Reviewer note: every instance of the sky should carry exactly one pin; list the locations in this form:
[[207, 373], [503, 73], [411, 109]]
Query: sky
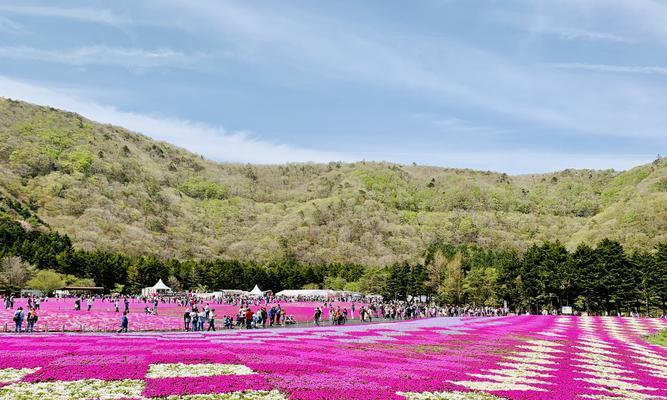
[[505, 85]]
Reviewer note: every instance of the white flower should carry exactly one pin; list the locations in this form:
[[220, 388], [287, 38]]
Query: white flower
[[495, 386], [525, 366], [519, 373], [245, 395], [448, 396], [509, 379], [548, 333], [596, 350], [547, 343], [540, 349], [9, 375], [614, 383], [532, 358], [180, 370], [83, 389]]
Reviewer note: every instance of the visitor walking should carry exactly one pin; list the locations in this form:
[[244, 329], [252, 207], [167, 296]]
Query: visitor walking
[[211, 320], [123, 323]]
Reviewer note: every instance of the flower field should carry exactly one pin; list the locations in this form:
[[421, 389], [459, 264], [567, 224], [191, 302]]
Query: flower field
[[59, 315], [524, 357]]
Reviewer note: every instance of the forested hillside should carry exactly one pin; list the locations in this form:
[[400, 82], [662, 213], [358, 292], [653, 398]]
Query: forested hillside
[[115, 190]]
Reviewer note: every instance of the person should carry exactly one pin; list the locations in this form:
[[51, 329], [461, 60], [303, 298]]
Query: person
[[202, 320], [123, 323], [77, 304], [279, 313], [18, 319], [32, 319], [263, 317], [127, 305], [90, 303], [318, 315], [194, 316], [248, 318], [186, 320], [211, 320], [272, 316]]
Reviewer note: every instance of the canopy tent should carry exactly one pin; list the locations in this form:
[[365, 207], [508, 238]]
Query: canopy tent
[[159, 287], [256, 292]]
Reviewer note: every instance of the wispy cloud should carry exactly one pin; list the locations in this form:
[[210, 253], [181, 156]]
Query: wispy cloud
[[214, 142], [12, 27], [575, 34], [438, 69], [455, 125], [104, 55], [91, 15], [623, 69], [551, 24]]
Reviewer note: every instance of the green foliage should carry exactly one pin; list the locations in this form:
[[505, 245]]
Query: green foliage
[[47, 280], [110, 189], [199, 188]]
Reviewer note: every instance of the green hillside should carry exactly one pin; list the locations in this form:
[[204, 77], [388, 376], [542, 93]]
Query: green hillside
[[112, 189]]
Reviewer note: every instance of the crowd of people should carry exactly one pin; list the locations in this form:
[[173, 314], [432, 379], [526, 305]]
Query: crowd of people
[[200, 315]]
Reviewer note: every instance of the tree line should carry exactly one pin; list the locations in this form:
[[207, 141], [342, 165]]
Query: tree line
[[603, 278]]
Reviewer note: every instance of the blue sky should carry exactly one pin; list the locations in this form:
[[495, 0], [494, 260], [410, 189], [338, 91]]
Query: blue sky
[[512, 86]]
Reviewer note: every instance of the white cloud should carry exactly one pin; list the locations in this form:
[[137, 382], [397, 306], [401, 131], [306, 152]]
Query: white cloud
[[211, 141], [98, 16], [625, 69], [104, 55]]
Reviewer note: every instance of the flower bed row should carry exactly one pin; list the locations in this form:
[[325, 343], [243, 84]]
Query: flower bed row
[[526, 357]]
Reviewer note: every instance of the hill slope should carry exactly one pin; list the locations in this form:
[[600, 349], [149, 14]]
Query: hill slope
[[113, 189]]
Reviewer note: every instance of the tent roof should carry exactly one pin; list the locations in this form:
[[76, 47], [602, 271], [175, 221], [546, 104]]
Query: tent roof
[[161, 286], [256, 291]]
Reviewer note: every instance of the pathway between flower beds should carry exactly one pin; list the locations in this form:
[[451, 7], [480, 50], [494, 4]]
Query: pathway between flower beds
[[525, 357]]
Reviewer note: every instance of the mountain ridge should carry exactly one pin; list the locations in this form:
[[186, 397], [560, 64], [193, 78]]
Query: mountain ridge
[[112, 189]]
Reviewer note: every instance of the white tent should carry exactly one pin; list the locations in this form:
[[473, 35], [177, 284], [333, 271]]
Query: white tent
[[256, 292], [159, 287]]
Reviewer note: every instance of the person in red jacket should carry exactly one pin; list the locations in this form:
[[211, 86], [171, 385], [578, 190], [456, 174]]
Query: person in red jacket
[[248, 318]]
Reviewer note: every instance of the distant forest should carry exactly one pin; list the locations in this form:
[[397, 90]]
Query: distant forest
[[599, 279]]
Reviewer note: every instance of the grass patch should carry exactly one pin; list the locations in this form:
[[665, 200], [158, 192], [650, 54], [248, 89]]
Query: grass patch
[[659, 338]]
